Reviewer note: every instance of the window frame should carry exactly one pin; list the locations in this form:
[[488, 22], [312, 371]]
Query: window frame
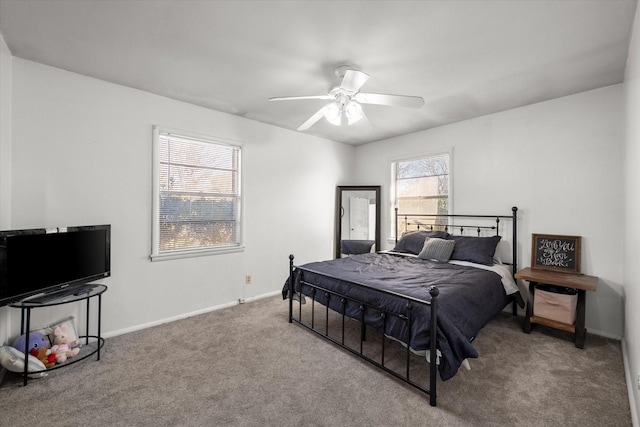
[[156, 254], [393, 190]]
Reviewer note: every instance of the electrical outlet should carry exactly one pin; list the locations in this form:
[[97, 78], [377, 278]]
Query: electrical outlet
[[247, 279]]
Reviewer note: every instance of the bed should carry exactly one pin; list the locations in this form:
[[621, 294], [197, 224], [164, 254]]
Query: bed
[[446, 278]]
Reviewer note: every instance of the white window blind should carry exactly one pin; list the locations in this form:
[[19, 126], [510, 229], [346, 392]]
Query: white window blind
[[197, 194]]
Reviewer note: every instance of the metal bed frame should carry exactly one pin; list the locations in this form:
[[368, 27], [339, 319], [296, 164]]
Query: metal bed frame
[[409, 304]]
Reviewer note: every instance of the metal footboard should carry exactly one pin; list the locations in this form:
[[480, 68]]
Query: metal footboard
[[313, 290]]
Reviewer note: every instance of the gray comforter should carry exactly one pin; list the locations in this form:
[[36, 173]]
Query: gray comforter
[[469, 298]]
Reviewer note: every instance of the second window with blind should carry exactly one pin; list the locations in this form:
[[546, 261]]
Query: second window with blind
[[421, 185], [197, 195]]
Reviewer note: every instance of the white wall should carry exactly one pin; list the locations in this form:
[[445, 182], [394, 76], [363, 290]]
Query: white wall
[[82, 155], [6, 61], [559, 162], [632, 216]]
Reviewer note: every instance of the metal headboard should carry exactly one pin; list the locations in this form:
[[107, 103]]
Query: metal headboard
[[443, 222]]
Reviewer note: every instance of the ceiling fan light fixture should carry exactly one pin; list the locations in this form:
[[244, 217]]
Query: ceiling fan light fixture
[[333, 113], [353, 111]]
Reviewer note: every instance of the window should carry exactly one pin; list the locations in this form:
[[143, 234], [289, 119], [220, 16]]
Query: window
[[196, 195], [421, 185]]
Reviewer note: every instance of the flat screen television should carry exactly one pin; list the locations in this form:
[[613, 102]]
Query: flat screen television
[[43, 260]]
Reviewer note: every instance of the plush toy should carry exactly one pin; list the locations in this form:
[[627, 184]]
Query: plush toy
[[44, 355], [35, 340], [62, 344]]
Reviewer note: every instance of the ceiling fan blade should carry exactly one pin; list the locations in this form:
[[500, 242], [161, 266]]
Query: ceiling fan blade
[[393, 100], [313, 119], [353, 80], [294, 98]]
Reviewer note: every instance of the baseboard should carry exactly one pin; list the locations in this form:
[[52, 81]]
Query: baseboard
[[187, 315], [630, 385], [263, 296], [604, 334]]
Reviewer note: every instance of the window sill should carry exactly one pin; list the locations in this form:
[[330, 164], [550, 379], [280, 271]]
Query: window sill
[[191, 253]]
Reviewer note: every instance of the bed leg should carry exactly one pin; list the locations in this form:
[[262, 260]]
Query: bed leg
[[363, 328], [433, 345], [514, 247], [291, 285]]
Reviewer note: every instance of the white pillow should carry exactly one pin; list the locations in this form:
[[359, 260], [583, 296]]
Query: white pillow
[[503, 253], [72, 332], [13, 360]]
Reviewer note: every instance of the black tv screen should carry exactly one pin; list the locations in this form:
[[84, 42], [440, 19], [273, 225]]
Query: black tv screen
[[41, 260]]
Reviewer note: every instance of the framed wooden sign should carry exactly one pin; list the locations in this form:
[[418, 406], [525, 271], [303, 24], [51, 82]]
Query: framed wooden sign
[[556, 253]]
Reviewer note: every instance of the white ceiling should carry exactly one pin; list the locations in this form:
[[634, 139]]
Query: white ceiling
[[465, 58]]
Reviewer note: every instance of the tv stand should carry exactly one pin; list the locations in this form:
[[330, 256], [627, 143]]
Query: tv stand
[[68, 295]]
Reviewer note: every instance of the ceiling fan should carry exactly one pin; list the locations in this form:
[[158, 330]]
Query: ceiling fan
[[346, 99]]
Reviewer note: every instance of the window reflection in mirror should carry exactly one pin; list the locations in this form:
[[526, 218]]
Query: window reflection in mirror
[[357, 220]]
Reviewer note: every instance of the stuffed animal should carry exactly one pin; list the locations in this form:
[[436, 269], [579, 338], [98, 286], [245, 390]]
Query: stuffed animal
[[62, 344], [35, 340], [44, 355]]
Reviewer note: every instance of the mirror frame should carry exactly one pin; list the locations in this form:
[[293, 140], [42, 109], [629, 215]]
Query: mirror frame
[[339, 212]]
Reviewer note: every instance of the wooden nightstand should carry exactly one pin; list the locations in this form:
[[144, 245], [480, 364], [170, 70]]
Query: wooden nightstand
[[580, 282]]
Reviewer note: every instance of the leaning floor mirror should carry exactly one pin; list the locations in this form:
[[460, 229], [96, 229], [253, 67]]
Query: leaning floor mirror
[[357, 220]]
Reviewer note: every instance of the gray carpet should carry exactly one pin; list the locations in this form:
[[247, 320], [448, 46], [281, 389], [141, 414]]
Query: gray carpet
[[247, 366]]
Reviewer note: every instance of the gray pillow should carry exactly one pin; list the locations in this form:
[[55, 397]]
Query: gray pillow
[[437, 249], [413, 241], [479, 250]]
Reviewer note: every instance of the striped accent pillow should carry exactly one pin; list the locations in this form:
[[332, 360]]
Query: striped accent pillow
[[437, 249]]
